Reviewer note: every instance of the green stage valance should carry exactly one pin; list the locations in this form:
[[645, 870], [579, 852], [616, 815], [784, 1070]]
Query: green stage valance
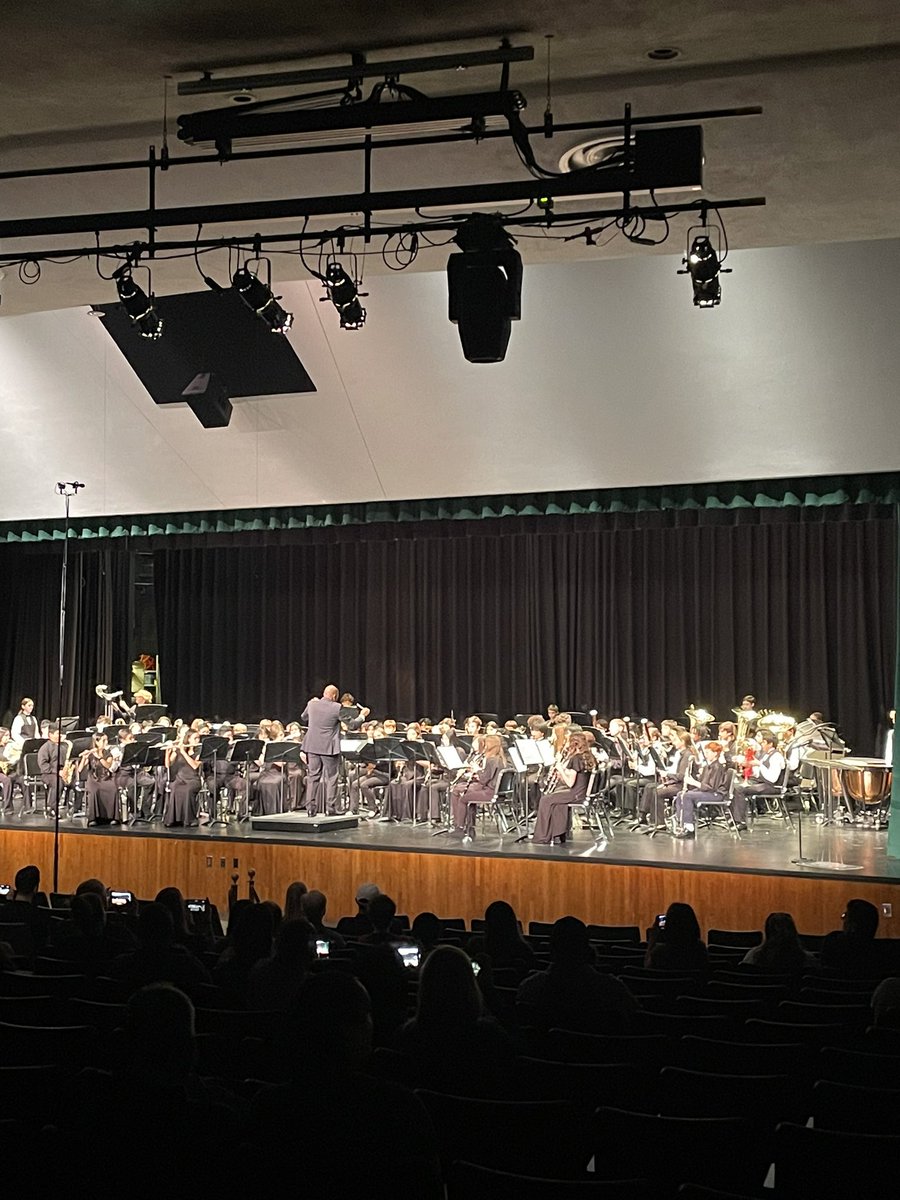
[[812, 491]]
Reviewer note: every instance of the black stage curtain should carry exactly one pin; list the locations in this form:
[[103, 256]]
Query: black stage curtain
[[96, 628], [637, 614]]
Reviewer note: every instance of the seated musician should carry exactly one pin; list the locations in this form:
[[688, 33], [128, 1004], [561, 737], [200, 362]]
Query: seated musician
[[9, 756], [408, 791], [655, 795], [711, 785], [554, 816], [372, 776], [478, 787], [766, 773], [100, 790], [136, 781], [53, 766]]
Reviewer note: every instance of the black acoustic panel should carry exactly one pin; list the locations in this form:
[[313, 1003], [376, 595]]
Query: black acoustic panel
[[207, 332]]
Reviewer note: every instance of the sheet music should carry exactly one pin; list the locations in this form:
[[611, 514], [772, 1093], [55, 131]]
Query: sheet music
[[528, 750], [516, 759], [545, 750], [449, 756]]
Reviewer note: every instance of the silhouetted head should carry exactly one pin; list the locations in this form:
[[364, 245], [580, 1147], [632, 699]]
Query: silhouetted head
[[448, 992], [382, 911], [861, 919], [682, 926], [293, 900], [172, 900], [427, 930], [27, 881], [331, 1023], [569, 942]]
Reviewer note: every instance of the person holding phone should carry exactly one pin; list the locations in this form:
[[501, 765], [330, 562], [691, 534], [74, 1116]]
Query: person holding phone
[[674, 942]]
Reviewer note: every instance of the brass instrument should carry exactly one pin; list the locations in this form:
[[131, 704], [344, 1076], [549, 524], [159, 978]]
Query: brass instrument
[[698, 716], [745, 718]]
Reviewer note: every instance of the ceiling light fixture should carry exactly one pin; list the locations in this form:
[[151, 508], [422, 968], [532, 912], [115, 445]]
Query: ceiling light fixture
[[140, 307], [258, 296], [485, 286], [703, 262], [344, 294]]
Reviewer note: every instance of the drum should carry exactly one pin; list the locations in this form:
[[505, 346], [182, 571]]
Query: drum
[[868, 787]]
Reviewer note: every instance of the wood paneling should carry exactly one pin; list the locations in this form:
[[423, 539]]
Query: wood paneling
[[452, 885]]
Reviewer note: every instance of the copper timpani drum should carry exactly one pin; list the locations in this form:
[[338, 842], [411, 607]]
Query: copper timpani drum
[[865, 784]]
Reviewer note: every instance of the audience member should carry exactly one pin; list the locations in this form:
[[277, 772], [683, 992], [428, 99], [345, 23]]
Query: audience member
[[158, 959], [274, 983], [852, 949], [313, 909], [780, 951], [572, 994], [385, 929], [360, 924], [674, 942], [455, 1046], [886, 1004], [250, 932], [87, 940], [192, 939], [501, 941], [328, 1042], [427, 931], [293, 900]]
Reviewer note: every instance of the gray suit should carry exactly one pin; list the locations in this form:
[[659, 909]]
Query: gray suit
[[322, 747]]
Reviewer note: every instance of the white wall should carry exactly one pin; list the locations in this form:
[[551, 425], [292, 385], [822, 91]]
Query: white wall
[[612, 379]]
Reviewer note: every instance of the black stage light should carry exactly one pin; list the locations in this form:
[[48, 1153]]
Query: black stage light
[[485, 284], [140, 307], [703, 265], [259, 299], [344, 295]]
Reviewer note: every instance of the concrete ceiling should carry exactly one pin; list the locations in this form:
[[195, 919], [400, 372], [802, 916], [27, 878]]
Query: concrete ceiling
[[84, 82]]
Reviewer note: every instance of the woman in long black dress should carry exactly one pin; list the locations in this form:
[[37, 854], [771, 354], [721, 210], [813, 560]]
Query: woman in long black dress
[[101, 792], [554, 810], [272, 787], [409, 785], [183, 762], [478, 787]]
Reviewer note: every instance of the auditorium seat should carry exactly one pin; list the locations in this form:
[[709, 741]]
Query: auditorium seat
[[747, 1058], [829, 1165], [16, 983], [737, 1010], [538, 1138], [862, 1070], [810, 995], [652, 1050], [628, 934], [676, 1025], [96, 1013], [31, 1010], [836, 985], [589, 1085], [850, 1015], [734, 938], [49, 1045], [831, 1034], [763, 1100], [234, 1023], [853, 1109], [466, 1181], [718, 1151]]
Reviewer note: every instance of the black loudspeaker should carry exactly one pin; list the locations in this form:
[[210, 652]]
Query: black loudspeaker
[[208, 400]]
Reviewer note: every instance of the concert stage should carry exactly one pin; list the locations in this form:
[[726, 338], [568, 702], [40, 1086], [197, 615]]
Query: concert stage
[[732, 883]]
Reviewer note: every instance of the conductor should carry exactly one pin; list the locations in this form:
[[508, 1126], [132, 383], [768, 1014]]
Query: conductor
[[322, 747]]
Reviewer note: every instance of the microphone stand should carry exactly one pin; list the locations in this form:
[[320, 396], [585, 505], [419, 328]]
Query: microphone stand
[[67, 491]]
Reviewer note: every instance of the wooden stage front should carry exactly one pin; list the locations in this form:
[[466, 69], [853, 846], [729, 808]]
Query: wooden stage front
[[731, 884]]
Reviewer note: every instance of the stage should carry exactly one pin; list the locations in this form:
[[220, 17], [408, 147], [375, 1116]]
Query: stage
[[732, 883]]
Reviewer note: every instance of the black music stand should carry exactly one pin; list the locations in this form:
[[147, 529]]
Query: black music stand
[[245, 751], [389, 750], [134, 756], [212, 748], [434, 762], [350, 760], [149, 712], [285, 753], [68, 724]]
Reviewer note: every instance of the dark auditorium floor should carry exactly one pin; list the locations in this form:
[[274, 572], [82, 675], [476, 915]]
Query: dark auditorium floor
[[767, 848]]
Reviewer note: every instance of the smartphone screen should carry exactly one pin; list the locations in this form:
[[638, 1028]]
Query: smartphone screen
[[120, 899], [322, 948]]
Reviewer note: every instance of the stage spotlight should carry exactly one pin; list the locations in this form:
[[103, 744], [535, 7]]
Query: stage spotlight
[[485, 285], [703, 265], [258, 297], [344, 295], [140, 307]]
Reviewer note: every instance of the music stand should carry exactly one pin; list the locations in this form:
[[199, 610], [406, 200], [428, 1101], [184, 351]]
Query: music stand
[[149, 712], [246, 750], [67, 724], [350, 749], [212, 747], [580, 718], [134, 756]]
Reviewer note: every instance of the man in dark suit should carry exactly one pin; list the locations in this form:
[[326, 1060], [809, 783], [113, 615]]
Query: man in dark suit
[[322, 747]]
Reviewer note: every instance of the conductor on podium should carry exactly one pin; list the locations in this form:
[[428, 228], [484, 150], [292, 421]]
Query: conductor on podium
[[322, 747]]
